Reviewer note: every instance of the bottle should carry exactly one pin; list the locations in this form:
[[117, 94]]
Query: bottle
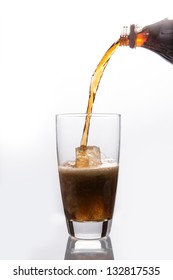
[[157, 37]]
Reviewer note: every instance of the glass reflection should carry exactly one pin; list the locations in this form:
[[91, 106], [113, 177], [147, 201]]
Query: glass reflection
[[89, 249]]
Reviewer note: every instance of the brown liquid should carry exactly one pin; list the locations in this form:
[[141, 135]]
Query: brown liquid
[[88, 193], [94, 84]]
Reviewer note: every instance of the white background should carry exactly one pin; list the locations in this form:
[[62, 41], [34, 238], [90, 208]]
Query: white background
[[48, 52]]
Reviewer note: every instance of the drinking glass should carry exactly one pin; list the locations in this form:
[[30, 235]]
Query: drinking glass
[[88, 187]]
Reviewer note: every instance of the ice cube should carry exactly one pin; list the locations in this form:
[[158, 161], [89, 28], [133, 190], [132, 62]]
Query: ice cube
[[88, 156]]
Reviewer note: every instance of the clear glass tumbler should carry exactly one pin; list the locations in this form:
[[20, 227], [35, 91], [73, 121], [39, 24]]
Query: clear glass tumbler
[[88, 174]]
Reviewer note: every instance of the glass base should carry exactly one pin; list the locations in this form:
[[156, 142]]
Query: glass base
[[95, 249], [89, 230]]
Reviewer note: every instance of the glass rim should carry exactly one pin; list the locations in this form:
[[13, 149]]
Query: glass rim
[[85, 114]]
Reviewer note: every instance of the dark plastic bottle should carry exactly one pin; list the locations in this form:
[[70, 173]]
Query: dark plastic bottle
[[157, 37]]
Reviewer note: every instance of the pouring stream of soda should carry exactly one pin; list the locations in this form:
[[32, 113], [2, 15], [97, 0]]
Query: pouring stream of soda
[[94, 84]]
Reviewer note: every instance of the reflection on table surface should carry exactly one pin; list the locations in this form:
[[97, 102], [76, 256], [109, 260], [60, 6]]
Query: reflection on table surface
[[100, 249]]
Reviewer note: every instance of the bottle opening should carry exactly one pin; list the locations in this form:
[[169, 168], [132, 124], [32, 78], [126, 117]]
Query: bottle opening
[[124, 37]]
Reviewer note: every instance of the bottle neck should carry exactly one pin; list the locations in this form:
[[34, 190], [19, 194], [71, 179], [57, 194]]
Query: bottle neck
[[133, 36]]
